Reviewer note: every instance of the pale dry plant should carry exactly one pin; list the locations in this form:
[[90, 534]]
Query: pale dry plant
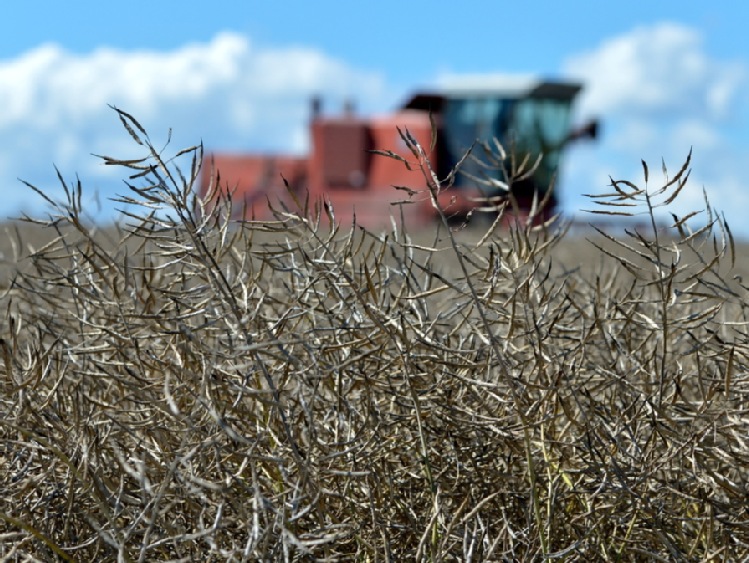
[[299, 390]]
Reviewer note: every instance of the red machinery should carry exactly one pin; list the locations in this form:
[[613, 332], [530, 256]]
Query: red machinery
[[532, 116]]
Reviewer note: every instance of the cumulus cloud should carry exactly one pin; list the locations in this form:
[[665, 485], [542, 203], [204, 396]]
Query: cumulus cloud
[[658, 71], [659, 94], [229, 93]]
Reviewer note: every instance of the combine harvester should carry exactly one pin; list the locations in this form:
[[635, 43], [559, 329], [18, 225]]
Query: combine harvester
[[532, 116]]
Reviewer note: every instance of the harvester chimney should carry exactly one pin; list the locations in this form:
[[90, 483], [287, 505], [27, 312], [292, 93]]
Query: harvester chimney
[[349, 108], [315, 107]]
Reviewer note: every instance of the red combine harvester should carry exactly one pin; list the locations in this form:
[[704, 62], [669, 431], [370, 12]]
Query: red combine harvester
[[532, 116]]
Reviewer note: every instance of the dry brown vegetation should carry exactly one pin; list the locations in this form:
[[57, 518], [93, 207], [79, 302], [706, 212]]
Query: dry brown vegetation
[[187, 389]]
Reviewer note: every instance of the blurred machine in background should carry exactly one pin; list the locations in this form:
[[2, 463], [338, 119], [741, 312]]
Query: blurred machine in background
[[528, 116]]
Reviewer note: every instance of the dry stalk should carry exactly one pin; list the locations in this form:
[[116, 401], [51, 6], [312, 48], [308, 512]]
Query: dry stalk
[[181, 386]]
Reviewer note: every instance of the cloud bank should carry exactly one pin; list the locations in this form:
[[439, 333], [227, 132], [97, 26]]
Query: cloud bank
[[660, 94], [228, 93]]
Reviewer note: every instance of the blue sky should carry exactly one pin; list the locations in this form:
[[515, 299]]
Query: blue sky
[[663, 77]]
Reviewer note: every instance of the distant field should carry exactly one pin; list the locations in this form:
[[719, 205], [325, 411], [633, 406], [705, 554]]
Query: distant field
[[574, 252]]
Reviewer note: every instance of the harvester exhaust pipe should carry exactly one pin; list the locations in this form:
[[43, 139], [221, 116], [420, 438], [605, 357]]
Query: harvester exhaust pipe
[[349, 107], [315, 107]]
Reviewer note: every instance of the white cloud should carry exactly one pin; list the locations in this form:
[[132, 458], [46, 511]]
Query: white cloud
[[229, 93], [634, 133], [656, 71], [659, 93]]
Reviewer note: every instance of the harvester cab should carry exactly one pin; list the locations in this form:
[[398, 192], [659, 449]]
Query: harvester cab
[[528, 118]]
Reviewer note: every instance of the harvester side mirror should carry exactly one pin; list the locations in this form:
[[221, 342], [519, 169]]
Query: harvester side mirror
[[588, 131]]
